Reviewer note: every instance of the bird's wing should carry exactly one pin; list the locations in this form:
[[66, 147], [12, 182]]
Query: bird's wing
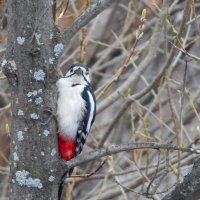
[[88, 118]]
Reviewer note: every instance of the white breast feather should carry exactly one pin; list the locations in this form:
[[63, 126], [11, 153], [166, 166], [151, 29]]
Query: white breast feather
[[70, 107]]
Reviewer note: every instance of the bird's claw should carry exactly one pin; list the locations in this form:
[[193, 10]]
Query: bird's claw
[[48, 110], [52, 115]]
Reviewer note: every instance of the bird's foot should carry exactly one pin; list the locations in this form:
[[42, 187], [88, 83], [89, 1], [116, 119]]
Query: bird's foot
[[51, 114]]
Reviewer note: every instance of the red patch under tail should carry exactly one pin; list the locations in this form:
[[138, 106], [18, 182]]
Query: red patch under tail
[[66, 147]]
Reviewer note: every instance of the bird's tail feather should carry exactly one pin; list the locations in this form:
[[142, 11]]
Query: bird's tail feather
[[62, 183]]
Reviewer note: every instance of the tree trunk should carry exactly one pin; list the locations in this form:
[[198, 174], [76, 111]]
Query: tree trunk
[[33, 49]]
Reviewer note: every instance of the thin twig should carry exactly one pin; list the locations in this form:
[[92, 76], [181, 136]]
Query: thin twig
[[92, 173], [3, 78], [139, 34], [5, 107], [184, 51]]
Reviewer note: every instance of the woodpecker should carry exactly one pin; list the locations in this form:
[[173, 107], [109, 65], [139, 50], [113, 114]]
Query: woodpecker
[[76, 109]]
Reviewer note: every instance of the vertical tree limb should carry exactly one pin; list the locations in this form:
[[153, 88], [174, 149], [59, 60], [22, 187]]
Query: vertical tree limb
[[30, 64]]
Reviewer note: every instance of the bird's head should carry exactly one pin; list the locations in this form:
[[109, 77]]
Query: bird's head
[[78, 74]]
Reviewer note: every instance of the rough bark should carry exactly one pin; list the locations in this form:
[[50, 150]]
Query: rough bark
[[189, 188], [30, 66]]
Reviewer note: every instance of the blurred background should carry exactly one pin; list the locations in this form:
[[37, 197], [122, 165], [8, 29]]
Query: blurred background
[[164, 59]]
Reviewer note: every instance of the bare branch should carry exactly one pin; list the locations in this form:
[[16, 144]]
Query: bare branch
[[113, 149], [84, 18]]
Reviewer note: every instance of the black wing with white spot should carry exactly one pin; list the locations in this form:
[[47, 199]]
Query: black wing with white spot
[[88, 118]]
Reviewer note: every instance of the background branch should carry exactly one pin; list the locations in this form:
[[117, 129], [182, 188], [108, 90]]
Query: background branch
[[84, 18], [113, 149]]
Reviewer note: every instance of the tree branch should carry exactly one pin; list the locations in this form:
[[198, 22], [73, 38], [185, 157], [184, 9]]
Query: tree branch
[[189, 187], [113, 149], [84, 18]]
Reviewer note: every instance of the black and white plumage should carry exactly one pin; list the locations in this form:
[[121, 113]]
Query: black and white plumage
[[88, 119], [76, 108]]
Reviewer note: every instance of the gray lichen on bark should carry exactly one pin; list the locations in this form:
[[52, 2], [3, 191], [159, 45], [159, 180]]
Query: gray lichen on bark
[[35, 171]]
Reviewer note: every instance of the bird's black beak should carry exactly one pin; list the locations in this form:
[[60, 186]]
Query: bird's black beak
[[79, 72]]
